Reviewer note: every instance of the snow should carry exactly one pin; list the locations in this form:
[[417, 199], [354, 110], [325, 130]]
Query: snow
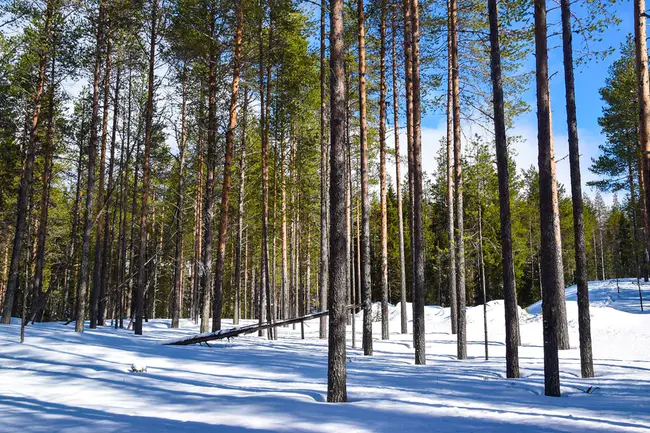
[[61, 381]]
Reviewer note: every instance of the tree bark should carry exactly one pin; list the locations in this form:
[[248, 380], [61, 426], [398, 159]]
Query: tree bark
[[227, 164], [324, 207], [308, 272], [101, 202], [348, 202], [144, 209], [208, 215], [240, 217], [132, 246], [584, 320], [398, 180], [354, 299], [177, 295], [48, 166], [418, 198], [104, 307], [408, 81], [382, 176], [563, 327], [70, 283], [84, 268], [124, 165], [247, 310], [458, 178], [107, 235], [453, 298], [644, 220], [366, 289], [198, 231], [482, 277], [643, 95], [266, 283], [285, 275], [507, 256], [264, 104], [635, 232], [550, 272], [336, 371]]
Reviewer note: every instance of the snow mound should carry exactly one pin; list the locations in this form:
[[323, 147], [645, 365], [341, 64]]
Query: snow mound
[[621, 295]]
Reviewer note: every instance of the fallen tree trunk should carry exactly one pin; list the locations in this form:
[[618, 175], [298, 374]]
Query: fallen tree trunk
[[248, 329]]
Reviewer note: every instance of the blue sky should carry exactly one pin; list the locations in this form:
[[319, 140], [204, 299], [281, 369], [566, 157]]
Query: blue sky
[[589, 79]]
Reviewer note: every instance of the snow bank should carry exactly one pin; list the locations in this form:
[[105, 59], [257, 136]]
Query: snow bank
[[61, 381]]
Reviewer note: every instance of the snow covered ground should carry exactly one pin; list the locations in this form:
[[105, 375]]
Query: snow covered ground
[[60, 381]]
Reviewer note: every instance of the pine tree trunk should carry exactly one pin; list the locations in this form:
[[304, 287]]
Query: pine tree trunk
[[198, 232], [5, 269], [107, 235], [458, 178], [644, 220], [144, 209], [296, 266], [453, 298], [354, 298], [643, 95], [550, 272], [507, 256], [382, 176], [336, 371], [208, 215], [602, 250], [418, 198], [408, 81], [246, 310], [563, 327], [227, 163], [348, 201], [84, 268], [324, 206], [254, 296], [285, 276], [398, 179], [48, 164], [265, 288], [69, 283], [308, 272], [635, 234], [358, 258], [101, 202], [240, 218], [366, 288], [482, 278], [584, 320], [265, 187], [121, 243], [177, 295], [274, 257], [593, 234], [132, 246]]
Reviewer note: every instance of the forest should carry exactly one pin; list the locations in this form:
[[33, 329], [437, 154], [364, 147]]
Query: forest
[[257, 161]]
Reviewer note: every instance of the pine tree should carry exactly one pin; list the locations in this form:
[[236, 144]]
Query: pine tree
[[551, 279], [366, 291], [507, 259], [458, 190], [584, 319], [418, 195], [227, 163]]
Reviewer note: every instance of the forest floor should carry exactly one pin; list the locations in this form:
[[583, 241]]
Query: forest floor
[[61, 381]]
